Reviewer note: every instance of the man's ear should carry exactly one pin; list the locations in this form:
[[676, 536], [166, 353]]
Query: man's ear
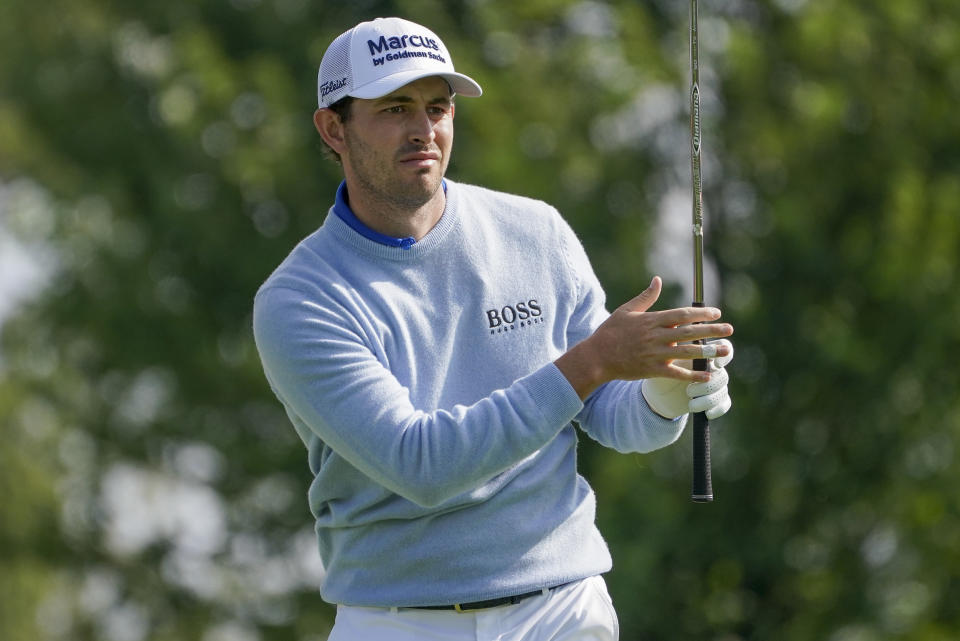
[[330, 128]]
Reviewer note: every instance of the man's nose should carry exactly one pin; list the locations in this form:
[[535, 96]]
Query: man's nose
[[421, 128]]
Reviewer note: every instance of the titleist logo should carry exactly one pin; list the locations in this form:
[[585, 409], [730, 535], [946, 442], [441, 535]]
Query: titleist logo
[[332, 85]]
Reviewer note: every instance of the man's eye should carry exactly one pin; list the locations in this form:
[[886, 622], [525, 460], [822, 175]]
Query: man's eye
[[394, 110]]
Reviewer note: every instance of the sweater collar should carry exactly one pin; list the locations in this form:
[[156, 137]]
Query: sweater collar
[[370, 243], [342, 209]]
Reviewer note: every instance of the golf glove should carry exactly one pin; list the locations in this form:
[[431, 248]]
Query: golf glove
[[671, 398]]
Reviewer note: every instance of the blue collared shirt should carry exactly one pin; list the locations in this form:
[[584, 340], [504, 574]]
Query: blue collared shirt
[[342, 209]]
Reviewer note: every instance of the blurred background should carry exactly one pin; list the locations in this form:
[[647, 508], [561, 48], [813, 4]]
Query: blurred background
[[158, 160]]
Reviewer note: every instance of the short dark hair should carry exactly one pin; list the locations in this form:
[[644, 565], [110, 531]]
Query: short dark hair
[[342, 109]]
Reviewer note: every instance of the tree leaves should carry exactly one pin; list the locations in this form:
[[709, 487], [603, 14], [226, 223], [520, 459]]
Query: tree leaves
[[158, 160]]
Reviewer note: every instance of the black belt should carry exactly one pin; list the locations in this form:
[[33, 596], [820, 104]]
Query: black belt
[[488, 603]]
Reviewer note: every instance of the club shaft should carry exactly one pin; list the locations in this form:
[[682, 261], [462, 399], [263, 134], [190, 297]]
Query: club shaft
[[695, 147], [702, 491]]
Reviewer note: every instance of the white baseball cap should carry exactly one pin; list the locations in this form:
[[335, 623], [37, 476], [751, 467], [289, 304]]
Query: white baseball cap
[[380, 56]]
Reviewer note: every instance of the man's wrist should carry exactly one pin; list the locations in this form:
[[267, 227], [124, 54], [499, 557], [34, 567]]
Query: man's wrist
[[580, 370]]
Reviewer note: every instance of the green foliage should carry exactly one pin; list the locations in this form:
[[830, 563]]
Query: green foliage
[[159, 160]]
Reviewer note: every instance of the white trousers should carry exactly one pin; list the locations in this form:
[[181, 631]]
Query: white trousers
[[581, 611]]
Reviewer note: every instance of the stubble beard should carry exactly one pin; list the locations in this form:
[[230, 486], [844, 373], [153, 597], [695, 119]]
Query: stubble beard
[[381, 183]]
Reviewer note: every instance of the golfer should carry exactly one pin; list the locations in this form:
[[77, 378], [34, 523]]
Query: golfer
[[434, 344]]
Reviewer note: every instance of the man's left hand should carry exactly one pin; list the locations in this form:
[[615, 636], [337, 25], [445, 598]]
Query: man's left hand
[[671, 398]]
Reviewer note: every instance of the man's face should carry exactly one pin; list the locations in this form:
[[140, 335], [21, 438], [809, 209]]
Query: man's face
[[398, 146]]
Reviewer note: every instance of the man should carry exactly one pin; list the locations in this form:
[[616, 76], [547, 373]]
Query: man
[[433, 343]]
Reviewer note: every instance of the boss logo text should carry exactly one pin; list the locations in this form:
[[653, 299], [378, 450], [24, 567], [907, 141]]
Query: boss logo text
[[504, 319]]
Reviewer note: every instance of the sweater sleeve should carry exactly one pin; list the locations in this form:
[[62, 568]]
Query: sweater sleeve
[[616, 415], [319, 366]]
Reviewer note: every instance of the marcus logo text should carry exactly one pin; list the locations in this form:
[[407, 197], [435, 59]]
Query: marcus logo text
[[401, 42], [409, 46]]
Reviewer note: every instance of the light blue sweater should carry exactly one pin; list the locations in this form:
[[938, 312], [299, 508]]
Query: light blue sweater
[[438, 429]]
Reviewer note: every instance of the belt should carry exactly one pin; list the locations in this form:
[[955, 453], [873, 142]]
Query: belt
[[489, 603]]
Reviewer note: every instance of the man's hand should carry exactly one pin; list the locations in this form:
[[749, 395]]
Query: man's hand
[[634, 343], [671, 398]]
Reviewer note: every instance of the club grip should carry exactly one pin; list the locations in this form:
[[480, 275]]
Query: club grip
[[702, 484]]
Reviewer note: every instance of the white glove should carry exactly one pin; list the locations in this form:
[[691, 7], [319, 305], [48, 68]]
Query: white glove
[[671, 398]]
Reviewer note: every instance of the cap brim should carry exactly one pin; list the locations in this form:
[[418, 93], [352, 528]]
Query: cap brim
[[461, 84]]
